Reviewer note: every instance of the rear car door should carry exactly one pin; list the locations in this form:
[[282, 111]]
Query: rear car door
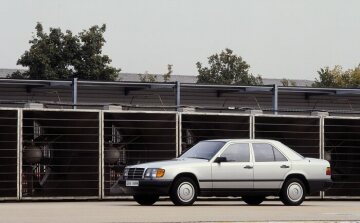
[[237, 171], [270, 166]]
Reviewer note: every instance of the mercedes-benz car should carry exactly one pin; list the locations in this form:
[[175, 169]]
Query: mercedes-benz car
[[250, 168]]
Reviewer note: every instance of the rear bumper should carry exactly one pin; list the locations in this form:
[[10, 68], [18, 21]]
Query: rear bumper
[[319, 185], [158, 187]]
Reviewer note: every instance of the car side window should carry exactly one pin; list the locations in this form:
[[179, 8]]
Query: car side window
[[237, 152], [263, 152], [267, 153], [279, 156]]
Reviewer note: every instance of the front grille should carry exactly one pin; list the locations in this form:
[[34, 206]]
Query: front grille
[[135, 173]]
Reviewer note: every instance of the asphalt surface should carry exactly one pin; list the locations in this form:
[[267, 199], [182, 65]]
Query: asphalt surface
[[164, 211]]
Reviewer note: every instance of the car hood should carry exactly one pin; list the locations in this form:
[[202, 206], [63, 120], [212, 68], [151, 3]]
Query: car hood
[[167, 163]]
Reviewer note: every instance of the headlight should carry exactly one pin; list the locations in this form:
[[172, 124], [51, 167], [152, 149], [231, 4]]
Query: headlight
[[126, 172], [154, 173]]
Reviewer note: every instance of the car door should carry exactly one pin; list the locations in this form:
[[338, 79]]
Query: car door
[[270, 166], [237, 171]]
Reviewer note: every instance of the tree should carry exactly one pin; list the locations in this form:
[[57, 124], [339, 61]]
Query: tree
[[287, 82], [326, 78], [226, 68], [59, 55], [167, 76], [337, 77], [146, 77]]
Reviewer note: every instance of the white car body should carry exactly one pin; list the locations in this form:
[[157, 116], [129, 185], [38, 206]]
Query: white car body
[[235, 178]]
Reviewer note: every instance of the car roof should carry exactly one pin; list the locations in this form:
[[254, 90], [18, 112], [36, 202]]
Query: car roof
[[291, 154]]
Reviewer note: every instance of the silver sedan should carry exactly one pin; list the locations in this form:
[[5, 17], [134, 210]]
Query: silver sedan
[[250, 168]]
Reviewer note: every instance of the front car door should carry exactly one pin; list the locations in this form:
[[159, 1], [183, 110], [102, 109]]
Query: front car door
[[270, 166], [236, 173]]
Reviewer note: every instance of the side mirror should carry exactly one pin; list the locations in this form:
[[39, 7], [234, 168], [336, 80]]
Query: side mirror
[[220, 159]]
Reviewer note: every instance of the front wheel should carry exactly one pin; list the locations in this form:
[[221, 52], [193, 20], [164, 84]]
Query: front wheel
[[184, 191], [146, 199], [293, 192], [253, 200]]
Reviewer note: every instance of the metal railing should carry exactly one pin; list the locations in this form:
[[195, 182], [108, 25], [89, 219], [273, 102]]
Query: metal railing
[[60, 154], [80, 154], [8, 154], [135, 137], [342, 150]]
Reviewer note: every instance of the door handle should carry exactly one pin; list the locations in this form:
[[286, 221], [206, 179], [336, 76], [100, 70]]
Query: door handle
[[284, 166], [248, 167]]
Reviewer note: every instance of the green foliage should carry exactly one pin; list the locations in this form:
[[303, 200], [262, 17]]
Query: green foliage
[[18, 75], [326, 78], [146, 77], [226, 68], [287, 82], [167, 76], [337, 77], [59, 55]]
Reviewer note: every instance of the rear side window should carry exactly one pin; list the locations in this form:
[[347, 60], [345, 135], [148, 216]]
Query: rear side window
[[263, 152], [237, 152], [278, 155], [267, 153]]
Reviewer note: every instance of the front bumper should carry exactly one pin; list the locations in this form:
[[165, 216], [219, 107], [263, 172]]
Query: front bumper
[[158, 187], [319, 185]]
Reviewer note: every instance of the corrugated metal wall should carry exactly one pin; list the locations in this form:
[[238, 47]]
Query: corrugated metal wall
[[300, 133], [79, 154], [8, 154], [60, 154], [342, 149], [135, 137]]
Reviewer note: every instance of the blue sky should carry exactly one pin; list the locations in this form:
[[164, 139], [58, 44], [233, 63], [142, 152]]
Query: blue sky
[[278, 38]]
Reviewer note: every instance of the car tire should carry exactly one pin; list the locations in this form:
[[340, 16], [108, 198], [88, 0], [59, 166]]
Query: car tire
[[184, 191], [293, 192], [253, 200], [146, 199]]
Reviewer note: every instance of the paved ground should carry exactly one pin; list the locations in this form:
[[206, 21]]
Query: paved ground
[[163, 211]]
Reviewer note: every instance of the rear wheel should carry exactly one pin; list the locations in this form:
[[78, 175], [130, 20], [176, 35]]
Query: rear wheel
[[253, 200], [293, 192], [184, 191], [146, 199]]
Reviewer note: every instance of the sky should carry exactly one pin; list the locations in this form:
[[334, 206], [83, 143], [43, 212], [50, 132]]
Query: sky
[[278, 38]]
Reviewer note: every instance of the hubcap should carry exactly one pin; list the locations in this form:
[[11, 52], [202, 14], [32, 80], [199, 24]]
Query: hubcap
[[295, 192], [186, 192]]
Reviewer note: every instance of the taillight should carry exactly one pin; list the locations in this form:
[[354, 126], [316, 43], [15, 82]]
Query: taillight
[[328, 171]]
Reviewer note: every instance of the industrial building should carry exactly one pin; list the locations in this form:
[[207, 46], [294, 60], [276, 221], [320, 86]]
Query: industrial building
[[72, 139]]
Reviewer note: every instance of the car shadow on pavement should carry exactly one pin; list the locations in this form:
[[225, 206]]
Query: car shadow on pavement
[[213, 205]]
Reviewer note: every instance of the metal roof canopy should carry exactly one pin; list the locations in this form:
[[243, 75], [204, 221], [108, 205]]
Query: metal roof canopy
[[155, 85], [177, 87]]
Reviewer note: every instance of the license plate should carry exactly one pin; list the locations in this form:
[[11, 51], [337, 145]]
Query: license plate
[[132, 183]]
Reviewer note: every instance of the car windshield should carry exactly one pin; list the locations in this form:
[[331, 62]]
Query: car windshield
[[203, 150]]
